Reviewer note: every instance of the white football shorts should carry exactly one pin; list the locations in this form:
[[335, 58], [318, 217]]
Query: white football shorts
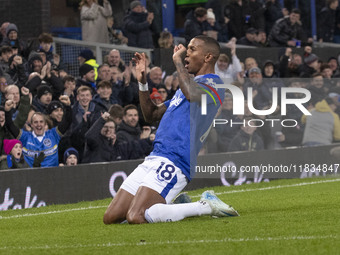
[[157, 173]]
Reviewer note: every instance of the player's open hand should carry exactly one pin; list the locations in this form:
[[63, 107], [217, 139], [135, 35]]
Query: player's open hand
[[140, 61]]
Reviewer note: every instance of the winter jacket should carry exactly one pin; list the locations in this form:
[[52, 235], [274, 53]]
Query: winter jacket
[[93, 22], [326, 24], [245, 142], [100, 149], [283, 31], [125, 133], [323, 126], [137, 29]]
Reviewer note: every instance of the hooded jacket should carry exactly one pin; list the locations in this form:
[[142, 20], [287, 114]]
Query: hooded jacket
[[323, 126]]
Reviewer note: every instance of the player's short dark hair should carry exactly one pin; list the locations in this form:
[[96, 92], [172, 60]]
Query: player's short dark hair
[[129, 107], [213, 46]]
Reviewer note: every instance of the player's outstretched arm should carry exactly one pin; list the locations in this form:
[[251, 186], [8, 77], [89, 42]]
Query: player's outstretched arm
[[151, 112], [186, 81]]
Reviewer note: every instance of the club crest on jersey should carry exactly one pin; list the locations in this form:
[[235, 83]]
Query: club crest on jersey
[[47, 142], [176, 100]]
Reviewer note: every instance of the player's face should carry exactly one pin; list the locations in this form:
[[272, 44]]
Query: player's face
[[38, 124], [17, 151], [131, 117], [194, 59]]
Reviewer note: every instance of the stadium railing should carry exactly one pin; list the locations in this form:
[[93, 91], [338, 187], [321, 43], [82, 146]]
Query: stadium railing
[[69, 50]]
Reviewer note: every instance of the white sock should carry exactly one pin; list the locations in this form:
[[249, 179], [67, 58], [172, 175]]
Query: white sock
[[176, 212]]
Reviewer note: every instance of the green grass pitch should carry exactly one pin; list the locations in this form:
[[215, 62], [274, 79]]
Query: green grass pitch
[[300, 216]]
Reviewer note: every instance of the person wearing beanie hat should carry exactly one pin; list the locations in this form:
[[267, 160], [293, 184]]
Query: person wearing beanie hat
[[86, 57], [310, 66], [156, 97], [56, 112], [12, 31], [310, 59], [35, 62], [87, 77], [43, 98], [71, 157], [135, 4], [84, 69], [15, 158]]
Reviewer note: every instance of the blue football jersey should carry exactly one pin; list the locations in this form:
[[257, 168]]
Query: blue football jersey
[[183, 128], [49, 145]]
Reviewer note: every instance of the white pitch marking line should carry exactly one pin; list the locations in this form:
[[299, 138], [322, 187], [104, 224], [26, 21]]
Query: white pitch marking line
[[220, 193], [51, 212], [225, 240], [274, 187]]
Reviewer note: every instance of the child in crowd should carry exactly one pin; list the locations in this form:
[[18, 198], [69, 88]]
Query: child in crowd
[[15, 158]]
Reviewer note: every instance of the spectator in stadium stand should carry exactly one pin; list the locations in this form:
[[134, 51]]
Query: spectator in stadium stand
[[249, 39], [226, 68], [86, 57], [93, 20], [71, 157], [102, 145], [43, 98], [261, 39], [239, 18], [45, 46], [269, 70], [317, 89], [288, 31], [12, 93], [249, 63], [322, 126], [227, 132], [87, 77], [103, 99], [246, 139], [163, 92], [292, 136], [154, 77], [290, 64], [310, 66], [122, 91], [116, 113], [273, 12], [104, 73], [114, 59], [327, 21], [326, 73], [137, 26], [3, 86], [334, 65], [115, 35], [6, 53], [69, 88], [40, 142], [195, 23], [156, 97], [171, 83], [213, 27], [3, 27], [55, 111], [262, 94], [17, 70], [129, 129], [166, 40], [13, 38], [15, 158]]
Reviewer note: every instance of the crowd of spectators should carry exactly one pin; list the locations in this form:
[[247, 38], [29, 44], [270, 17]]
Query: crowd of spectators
[[50, 118]]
